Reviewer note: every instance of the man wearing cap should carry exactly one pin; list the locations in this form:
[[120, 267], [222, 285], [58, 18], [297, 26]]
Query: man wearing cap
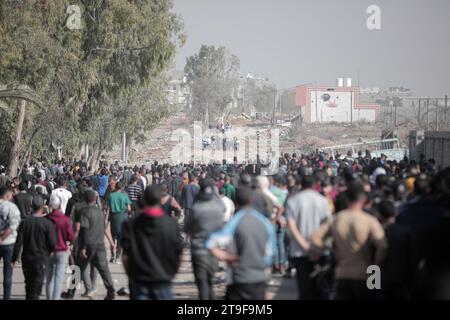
[[37, 237]]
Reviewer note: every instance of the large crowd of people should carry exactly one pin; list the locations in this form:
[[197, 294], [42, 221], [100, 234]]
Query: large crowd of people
[[325, 220]]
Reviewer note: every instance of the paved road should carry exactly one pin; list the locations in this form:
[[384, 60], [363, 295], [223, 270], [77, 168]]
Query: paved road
[[183, 286]]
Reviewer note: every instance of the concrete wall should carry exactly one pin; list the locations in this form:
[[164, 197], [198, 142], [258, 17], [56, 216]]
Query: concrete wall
[[436, 145], [343, 104]]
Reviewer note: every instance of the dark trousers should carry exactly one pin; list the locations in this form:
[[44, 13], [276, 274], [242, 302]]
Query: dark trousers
[[34, 273], [349, 289], [204, 267], [140, 291], [6, 253], [76, 260], [187, 215], [307, 287], [250, 291], [96, 256]]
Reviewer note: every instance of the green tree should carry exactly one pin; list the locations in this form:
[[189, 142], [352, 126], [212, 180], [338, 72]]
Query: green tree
[[264, 97], [212, 75], [287, 101], [92, 77]]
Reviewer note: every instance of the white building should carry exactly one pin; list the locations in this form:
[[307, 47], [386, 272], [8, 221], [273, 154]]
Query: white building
[[340, 103]]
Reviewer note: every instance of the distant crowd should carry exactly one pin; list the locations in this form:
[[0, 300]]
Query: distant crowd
[[332, 222]]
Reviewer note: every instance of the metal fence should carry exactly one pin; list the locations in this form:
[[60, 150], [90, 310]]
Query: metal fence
[[389, 147], [435, 145]]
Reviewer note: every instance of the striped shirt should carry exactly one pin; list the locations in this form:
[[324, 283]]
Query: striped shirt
[[134, 191]]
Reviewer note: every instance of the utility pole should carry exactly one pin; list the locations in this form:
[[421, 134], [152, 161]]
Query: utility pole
[[446, 111], [281, 102], [418, 115], [207, 99], [124, 147], [437, 114], [391, 113], [395, 115], [428, 114], [351, 107], [274, 121], [386, 117], [317, 111]]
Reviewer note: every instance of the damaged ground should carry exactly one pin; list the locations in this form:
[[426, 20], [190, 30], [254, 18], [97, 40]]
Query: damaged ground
[[293, 138]]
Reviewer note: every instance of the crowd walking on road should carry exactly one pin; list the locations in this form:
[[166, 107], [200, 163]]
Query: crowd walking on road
[[324, 220]]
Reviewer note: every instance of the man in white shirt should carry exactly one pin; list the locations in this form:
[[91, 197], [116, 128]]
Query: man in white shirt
[[143, 178], [229, 206], [62, 193], [10, 219], [305, 212]]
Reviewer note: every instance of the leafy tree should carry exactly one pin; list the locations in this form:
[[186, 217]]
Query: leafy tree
[[212, 75], [287, 101], [264, 97], [105, 78]]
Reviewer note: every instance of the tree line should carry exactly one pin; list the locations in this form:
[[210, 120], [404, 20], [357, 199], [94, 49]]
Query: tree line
[[106, 77]]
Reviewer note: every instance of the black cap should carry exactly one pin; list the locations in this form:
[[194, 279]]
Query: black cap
[[207, 186], [206, 190]]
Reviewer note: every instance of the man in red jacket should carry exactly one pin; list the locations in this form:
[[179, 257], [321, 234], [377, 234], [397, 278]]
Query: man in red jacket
[[57, 263]]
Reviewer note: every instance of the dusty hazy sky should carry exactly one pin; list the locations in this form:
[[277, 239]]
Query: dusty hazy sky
[[301, 41]]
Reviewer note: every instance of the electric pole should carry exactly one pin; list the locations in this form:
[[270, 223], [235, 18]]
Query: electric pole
[[124, 147], [446, 111], [418, 115], [437, 114], [395, 115]]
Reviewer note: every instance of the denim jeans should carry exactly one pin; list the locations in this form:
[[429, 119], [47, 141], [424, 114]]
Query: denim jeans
[[139, 291], [280, 252], [6, 253], [55, 275]]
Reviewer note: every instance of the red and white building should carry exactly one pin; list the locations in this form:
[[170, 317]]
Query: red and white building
[[340, 103]]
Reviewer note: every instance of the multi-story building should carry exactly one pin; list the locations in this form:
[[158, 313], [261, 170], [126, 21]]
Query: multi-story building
[[339, 103]]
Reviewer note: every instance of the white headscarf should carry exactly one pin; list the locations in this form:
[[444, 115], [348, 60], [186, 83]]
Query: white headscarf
[[264, 184], [55, 202], [378, 171]]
